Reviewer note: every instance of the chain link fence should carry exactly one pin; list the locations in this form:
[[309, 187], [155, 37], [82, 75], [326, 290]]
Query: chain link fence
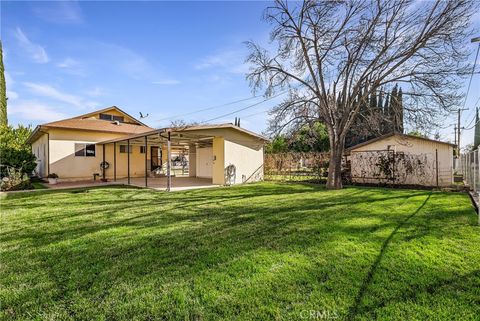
[[296, 166]]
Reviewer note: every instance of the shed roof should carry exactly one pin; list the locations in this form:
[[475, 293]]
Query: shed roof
[[376, 139]]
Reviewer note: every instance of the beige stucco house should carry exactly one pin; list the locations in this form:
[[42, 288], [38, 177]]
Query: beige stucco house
[[419, 161], [109, 144]]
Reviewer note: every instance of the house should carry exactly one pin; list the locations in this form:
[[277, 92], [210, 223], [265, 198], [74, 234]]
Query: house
[[417, 161], [110, 144]]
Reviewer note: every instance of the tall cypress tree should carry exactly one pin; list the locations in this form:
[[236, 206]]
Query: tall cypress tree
[[392, 109], [386, 116], [3, 92], [400, 111]]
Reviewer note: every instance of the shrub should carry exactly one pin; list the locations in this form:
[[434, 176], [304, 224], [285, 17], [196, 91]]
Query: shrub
[[14, 150], [15, 180]]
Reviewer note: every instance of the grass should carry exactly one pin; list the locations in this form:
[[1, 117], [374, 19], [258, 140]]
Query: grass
[[39, 185], [267, 251]]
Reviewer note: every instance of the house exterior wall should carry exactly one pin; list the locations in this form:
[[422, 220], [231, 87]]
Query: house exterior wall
[[229, 147], [248, 161], [67, 166], [415, 146], [204, 162], [40, 150], [218, 151]]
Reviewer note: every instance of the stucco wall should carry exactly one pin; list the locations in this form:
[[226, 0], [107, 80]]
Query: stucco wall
[[67, 166], [247, 159], [414, 146], [229, 147], [40, 150]]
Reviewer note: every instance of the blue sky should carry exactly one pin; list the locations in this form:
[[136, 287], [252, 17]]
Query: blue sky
[[162, 58]]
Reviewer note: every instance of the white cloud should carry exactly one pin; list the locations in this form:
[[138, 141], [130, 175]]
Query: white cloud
[[59, 12], [229, 60], [166, 82], [67, 63], [48, 91], [95, 92], [71, 66], [11, 95], [31, 110], [37, 53]]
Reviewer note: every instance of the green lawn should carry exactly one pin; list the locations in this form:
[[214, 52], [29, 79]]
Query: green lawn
[[265, 251]]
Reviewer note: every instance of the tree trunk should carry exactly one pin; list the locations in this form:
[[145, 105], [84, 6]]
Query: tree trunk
[[337, 146]]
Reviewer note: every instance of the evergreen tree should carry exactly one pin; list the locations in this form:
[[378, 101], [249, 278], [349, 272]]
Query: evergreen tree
[[392, 110], [3, 92], [476, 138], [399, 112], [386, 113]]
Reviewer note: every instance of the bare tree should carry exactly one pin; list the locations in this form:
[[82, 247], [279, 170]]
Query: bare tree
[[333, 54]]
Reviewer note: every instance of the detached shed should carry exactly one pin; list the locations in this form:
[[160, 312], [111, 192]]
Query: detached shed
[[402, 159]]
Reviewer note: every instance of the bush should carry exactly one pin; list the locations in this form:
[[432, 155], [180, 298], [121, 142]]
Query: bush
[[15, 180], [15, 151]]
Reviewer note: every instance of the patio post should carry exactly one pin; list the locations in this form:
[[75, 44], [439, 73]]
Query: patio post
[[128, 161], [103, 163], [146, 150], [115, 161], [169, 177]]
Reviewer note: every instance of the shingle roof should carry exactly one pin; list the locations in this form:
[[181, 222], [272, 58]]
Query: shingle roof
[[98, 125]]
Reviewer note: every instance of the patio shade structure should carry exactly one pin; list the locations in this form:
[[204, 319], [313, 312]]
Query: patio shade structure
[[179, 137]]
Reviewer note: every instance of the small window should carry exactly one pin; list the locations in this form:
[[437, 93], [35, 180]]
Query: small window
[[118, 118], [123, 148], [105, 116], [85, 150], [142, 149]]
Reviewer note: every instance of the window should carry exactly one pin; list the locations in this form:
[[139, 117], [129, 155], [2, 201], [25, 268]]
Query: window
[[111, 117], [142, 149], [105, 116], [85, 150], [123, 148]]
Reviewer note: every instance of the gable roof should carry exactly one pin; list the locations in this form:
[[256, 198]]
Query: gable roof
[[101, 111], [84, 122], [376, 139]]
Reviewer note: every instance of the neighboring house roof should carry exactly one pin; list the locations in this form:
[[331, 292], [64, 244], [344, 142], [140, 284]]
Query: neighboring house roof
[[84, 122], [189, 128], [376, 139]]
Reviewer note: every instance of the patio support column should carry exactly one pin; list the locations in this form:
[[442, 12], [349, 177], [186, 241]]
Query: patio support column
[[103, 163], [169, 177], [115, 161], [146, 151], [128, 161]]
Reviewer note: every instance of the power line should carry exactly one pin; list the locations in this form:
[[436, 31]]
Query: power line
[[470, 81], [244, 108], [209, 108]]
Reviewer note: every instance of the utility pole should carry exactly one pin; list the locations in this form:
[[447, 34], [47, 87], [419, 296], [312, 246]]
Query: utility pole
[[459, 130], [455, 137]]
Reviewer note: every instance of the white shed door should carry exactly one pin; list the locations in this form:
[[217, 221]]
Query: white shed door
[[204, 162]]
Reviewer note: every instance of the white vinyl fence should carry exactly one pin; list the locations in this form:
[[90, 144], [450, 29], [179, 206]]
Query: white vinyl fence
[[468, 166]]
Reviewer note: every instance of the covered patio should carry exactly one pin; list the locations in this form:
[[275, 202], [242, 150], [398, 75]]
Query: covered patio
[[167, 159]]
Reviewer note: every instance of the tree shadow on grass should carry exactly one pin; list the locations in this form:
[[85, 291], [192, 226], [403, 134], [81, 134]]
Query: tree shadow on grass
[[373, 269]]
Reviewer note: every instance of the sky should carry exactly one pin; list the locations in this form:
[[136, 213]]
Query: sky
[[165, 59]]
